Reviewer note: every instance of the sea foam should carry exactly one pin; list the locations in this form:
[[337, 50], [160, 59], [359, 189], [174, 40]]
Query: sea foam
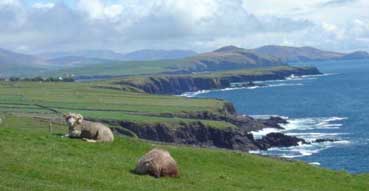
[[288, 81], [302, 127]]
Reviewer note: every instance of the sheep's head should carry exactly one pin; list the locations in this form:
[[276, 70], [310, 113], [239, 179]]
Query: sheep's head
[[143, 166], [72, 119]]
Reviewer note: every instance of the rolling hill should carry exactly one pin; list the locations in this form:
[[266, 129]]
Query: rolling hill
[[226, 58], [355, 55], [83, 58], [139, 55], [92, 54], [16, 64], [302, 54], [75, 61], [148, 54]]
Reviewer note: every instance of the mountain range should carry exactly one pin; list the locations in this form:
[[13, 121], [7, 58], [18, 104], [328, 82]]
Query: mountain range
[[180, 61], [139, 55], [12, 63], [303, 54]]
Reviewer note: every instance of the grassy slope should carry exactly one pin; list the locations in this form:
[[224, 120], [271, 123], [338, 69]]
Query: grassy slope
[[100, 103], [118, 68], [33, 159]]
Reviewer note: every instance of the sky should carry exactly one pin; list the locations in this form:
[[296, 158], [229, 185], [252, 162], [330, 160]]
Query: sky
[[35, 26]]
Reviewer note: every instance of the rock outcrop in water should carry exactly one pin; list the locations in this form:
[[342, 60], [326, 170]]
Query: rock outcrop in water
[[278, 140], [178, 84], [325, 140], [274, 122]]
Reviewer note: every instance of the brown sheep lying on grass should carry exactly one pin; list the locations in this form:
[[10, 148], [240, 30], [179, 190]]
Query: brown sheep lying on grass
[[157, 163], [87, 130]]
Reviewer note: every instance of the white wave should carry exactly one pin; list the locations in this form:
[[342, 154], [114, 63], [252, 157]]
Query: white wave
[[315, 163], [310, 137], [294, 78], [342, 142], [302, 128], [314, 123], [267, 116], [302, 150], [194, 94], [259, 134], [320, 75], [284, 84], [302, 124], [309, 77], [268, 84], [298, 78]]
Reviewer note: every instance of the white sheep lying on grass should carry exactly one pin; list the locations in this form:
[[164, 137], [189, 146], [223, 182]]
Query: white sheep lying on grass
[[157, 163], [87, 130]]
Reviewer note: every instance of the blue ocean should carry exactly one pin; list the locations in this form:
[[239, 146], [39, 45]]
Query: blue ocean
[[334, 105]]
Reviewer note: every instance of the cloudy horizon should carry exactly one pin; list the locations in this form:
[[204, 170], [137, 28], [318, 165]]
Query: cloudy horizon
[[36, 26]]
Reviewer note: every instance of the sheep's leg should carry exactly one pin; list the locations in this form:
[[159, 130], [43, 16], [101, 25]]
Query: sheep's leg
[[155, 170], [101, 136], [89, 140]]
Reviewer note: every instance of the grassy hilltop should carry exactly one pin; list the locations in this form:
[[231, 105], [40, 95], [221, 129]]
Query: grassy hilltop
[[33, 159]]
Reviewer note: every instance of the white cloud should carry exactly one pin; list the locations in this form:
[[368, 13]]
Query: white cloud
[[9, 2], [43, 5], [201, 25], [96, 9], [329, 27]]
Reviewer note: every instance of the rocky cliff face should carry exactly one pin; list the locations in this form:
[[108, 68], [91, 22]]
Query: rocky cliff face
[[181, 84], [194, 134], [199, 134]]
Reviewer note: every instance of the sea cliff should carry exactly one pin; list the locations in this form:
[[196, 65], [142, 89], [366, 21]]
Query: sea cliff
[[178, 84], [197, 133]]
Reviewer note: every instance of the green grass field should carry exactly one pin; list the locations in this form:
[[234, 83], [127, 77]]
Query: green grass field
[[108, 104], [119, 68], [34, 159]]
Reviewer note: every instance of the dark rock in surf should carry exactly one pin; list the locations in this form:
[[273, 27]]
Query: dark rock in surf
[[278, 140], [274, 122], [324, 140]]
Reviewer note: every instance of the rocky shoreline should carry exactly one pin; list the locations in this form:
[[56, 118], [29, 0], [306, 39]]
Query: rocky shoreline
[[199, 134]]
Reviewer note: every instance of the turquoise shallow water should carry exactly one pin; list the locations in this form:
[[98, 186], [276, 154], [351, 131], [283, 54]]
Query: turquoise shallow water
[[334, 105]]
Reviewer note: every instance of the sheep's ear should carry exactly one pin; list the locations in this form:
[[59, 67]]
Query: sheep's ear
[[80, 118], [65, 115]]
